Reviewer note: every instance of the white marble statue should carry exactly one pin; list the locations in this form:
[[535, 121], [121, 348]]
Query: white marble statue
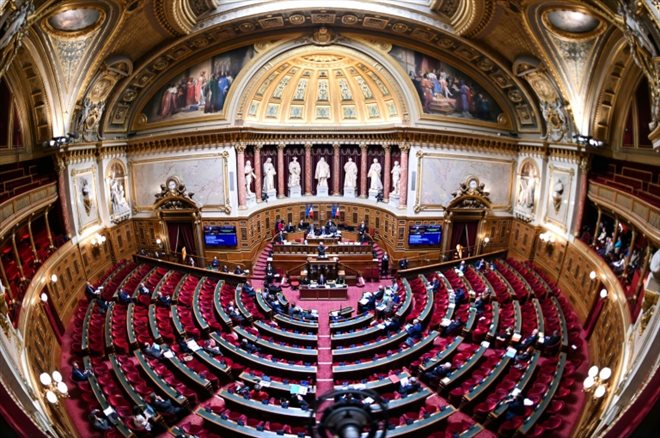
[[269, 175], [118, 197], [249, 177], [374, 174], [322, 173], [350, 170], [294, 172], [396, 177]]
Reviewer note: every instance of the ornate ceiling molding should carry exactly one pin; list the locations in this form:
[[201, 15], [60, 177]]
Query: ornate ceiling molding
[[176, 16], [466, 56]]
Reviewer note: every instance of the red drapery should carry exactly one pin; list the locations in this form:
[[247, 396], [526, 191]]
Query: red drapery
[[464, 233], [181, 234]]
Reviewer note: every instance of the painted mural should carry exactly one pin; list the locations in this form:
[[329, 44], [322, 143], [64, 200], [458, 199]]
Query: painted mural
[[444, 90], [200, 90]]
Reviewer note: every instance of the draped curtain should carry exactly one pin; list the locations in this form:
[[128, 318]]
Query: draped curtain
[[464, 233], [181, 234]]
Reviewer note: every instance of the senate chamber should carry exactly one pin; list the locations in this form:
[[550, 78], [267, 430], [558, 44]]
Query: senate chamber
[[415, 218]]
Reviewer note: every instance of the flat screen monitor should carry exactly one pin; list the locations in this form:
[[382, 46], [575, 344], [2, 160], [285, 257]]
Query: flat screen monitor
[[224, 235], [424, 235]]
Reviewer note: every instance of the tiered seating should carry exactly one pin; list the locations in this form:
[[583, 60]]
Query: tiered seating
[[279, 353]]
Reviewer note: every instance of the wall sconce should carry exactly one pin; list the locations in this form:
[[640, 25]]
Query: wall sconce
[[547, 237], [43, 297], [603, 293], [592, 275], [98, 240], [486, 241], [595, 382], [54, 386]]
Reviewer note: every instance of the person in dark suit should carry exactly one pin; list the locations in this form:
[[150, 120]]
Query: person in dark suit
[[459, 295], [552, 341], [414, 332], [321, 279], [362, 229], [91, 292], [437, 373], [453, 327], [403, 263], [385, 265], [164, 406], [99, 422], [143, 290], [302, 225], [321, 250], [289, 228], [435, 284], [78, 374], [123, 297], [529, 340]]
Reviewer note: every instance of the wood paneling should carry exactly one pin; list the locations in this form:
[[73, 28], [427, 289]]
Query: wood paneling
[[521, 239]]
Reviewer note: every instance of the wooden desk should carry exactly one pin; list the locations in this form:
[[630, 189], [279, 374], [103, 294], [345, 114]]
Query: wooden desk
[[323, 293], [232, 428], [282, 388], [294, 415], [416, 428], [172, 393], [297, 324], [479, 389], [441, 356], [289, 336], [352, 323]]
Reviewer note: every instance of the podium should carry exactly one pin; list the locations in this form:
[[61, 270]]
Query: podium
[[326, 292]]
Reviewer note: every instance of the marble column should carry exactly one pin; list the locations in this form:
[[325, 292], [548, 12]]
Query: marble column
[[308, 169], [257, 172], [597, 230], [363, 171], [403, 182], [583, 188], [336, 173], [240, 177], [63, 196], [280, 171], [387, 175]]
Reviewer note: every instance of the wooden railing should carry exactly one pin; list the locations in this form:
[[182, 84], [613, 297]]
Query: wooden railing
[[15, 209], [642, 214]]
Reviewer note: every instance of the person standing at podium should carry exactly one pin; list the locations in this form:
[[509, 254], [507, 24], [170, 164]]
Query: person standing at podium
[[321, 280], [321, 250]]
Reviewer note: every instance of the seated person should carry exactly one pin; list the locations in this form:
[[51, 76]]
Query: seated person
[[258, 393], [138, 421], [304, 280], [103, 305], [215, 263], [91, 292], [516, 405], [289, 228], [78, 374], [98, 420], [164, 405], [234, 313], [392, 324], [529, 340], [414, 331], [238, 270], [183, 345], [248, 289], [321, 280], [279, 237], [367, 302], [552, 341], [459, 295], [479, 304], [523, 356], [481, 264], [211, 347], [163, 300], [302, 225], [123, 297], [435, 284], [438, 373], [403, 263], [505, 336], [362, 229], [408, 386], [461, 266], [154, 350], [298, 401], [143, 290], [225, 269], [248, 346], [453, 327]]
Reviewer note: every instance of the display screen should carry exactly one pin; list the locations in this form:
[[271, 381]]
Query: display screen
[[220, 236], [424, 235]]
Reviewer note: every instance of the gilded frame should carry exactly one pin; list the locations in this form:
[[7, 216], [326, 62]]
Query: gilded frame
[[87, 205]]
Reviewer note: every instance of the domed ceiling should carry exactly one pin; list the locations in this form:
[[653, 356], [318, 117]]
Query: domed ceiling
[[322, 87]]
